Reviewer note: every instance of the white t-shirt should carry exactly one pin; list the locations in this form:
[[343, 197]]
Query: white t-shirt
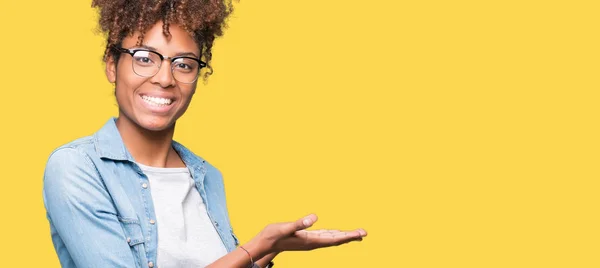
[[186, 236]]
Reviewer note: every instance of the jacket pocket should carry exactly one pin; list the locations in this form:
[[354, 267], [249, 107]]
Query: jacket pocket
[[135, 239]]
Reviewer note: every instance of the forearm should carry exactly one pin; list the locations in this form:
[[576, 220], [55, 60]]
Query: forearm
[[239, 258]]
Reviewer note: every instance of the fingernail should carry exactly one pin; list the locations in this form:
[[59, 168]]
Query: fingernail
[[306, 222]]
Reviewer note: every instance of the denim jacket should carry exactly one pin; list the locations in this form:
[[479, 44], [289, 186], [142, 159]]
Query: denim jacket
[[99, 206]]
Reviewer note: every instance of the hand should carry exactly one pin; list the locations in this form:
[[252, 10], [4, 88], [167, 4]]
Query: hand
[[292, 236]]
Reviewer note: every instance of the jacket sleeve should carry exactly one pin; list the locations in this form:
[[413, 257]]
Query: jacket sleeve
[[82, 213]]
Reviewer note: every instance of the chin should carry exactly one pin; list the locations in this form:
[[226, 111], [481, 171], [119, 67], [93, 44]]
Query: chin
[[154, 123]]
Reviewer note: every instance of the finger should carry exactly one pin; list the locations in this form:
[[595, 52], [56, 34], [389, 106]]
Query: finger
[[324, 233], [300, 224], [309, 237], [317, 231], [349, 236], [343, 238], [359, 232], [304, 233], [326, 239], [362, 232], [314, 234]]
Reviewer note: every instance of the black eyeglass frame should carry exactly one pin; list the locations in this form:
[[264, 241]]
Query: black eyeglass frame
[[132, 52]]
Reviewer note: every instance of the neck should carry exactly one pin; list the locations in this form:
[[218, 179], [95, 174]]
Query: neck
[[150, 148]]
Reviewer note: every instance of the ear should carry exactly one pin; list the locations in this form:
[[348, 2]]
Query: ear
[[111, 69]]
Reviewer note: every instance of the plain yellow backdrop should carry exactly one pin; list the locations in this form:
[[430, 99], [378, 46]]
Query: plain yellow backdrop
[[457, 133]]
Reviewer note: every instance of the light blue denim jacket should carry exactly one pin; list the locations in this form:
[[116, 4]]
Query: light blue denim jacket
[[99, 205]]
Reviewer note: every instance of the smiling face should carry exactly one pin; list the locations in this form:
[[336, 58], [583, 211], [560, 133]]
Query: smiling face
[[153, 103]]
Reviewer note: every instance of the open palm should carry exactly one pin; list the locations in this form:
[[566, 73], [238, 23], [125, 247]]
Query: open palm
[[292, 236]]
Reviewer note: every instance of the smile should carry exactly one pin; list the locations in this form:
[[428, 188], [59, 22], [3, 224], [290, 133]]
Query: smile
[[157, 101]]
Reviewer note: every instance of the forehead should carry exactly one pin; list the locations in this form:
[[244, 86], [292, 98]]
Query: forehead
[[179, 41]]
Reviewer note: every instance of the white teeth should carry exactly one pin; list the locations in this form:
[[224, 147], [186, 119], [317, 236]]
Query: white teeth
[[156, 100]]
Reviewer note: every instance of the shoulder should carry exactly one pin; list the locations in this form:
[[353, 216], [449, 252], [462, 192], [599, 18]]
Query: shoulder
[[74, 152], [210, 168], [70, 163], [78, 146]]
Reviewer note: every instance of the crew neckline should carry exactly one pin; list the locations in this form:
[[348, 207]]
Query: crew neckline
[[163, 170]]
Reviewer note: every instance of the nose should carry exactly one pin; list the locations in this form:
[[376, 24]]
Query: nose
[[164, 76]]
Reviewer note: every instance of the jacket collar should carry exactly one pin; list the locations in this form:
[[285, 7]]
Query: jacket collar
[[109, 145]]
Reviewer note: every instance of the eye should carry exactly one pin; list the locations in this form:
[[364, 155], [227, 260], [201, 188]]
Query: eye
[[183, 66], [145, 58]]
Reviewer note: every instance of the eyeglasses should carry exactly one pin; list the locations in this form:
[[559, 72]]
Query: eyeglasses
[[147, 63]]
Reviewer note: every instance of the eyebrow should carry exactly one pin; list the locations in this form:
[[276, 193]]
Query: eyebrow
[[176, 55]]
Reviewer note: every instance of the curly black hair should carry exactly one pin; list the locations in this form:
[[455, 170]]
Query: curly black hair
[[204, 20]]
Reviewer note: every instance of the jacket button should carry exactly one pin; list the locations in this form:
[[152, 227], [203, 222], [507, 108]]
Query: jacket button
[[128, 240], [150, 264], [145, 185], [152, 222]]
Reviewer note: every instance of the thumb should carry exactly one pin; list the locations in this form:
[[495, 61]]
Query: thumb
[[300, 224]]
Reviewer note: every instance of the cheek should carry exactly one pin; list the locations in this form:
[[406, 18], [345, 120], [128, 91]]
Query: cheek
[[127, 83], [188, 93]]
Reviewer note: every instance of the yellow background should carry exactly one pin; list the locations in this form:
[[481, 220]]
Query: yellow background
[[458, 133]]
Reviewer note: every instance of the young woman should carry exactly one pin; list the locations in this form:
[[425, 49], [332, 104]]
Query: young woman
[[130, 196]]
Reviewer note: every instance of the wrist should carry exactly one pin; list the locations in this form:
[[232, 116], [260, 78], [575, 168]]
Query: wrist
[[257, 249]]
